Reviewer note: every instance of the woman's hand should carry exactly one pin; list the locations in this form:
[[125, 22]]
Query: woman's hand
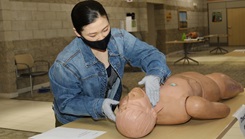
[[152, 87], [106, 107]]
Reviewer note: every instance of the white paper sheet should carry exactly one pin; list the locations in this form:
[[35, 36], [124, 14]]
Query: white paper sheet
[[68, 133], [240, 115]]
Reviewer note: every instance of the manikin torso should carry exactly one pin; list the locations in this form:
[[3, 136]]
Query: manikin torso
[[183, 93]]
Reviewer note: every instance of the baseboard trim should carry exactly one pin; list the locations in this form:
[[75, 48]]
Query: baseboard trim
[[36, 87], [23, 90], [9, 95]]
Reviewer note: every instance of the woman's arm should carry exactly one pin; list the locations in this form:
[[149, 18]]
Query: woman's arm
[[70, 97]]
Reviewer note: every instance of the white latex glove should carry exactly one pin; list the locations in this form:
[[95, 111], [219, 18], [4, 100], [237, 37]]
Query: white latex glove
[[106, 107], [152, 87]]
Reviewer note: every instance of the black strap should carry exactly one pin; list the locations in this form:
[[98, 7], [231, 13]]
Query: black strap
[[112, 78]]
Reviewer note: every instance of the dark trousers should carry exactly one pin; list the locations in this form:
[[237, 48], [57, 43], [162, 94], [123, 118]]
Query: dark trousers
[[57, 122]]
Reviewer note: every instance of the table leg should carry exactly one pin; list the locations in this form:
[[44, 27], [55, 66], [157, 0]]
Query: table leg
[[218, 47], [186, 58]]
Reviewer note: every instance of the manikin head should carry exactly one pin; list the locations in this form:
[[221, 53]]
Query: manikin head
[[136, 117]]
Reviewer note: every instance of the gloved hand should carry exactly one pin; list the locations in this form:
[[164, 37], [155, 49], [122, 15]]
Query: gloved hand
[[106, 107], [152, 87]]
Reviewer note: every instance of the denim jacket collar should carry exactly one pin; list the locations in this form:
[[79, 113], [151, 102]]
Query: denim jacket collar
[[88, 55]]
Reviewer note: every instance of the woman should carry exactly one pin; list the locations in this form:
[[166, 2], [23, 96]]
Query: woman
[[86, 76]]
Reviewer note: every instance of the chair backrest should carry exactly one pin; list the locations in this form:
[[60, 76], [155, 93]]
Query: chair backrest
[[22, 59]]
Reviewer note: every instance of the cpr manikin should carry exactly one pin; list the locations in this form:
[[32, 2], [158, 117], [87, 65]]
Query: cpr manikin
[[136, 107], [182, 97]]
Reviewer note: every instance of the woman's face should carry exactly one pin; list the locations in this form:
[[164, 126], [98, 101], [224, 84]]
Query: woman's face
[[97, 30]]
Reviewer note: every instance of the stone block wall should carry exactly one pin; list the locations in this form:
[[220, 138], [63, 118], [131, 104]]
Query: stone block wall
[[167, 28], [36, 27], [43, 28], [167, 21]]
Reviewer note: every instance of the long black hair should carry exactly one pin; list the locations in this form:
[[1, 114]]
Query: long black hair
[[85, 12]]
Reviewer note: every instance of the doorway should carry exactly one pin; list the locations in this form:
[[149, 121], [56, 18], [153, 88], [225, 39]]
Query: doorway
[[235, 24]]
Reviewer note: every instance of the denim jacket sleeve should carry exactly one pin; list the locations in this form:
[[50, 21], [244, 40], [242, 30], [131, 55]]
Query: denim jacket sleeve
[[70, 101], [145, 56]]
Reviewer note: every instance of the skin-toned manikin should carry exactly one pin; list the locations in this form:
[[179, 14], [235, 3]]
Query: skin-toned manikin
[[184, 96], [136, 107], [193, 95]]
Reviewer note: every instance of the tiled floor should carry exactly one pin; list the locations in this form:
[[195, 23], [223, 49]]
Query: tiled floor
[[24, 115], [38, 116]]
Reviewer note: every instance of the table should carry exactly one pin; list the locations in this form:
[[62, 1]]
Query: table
[[186, 44], [218, 42], [201, 129]]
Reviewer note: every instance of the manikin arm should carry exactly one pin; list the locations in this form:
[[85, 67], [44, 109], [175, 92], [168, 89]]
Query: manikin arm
[[200, 108]]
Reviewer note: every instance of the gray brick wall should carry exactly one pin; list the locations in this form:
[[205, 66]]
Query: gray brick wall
[[43, 28]]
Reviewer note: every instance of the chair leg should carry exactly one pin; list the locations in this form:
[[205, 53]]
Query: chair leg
[[31, 84]]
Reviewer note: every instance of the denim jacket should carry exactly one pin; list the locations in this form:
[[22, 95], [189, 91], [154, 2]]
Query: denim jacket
[[79, 80]]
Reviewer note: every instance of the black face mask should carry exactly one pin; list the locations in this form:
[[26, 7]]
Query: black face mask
[[99, 45]]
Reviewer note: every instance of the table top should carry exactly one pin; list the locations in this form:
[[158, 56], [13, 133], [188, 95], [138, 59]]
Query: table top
[[186, 41], [200, 129], [215, 35]]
